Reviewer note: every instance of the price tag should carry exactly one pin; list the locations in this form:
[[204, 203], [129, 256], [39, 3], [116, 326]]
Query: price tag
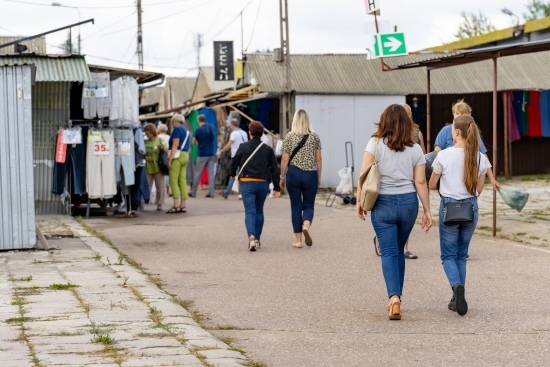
[[88, 93], [123, 148], [102, 92], [101, 148]]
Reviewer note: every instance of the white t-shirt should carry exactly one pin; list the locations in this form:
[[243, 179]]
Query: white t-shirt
[[449, 163], [396, 168], [238, 137]]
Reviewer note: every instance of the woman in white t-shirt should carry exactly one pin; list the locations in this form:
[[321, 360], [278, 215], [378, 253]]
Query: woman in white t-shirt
[[462, 171], [401, 164]]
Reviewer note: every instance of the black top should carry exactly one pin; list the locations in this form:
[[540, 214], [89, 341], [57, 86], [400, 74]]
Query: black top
[[263, 165]]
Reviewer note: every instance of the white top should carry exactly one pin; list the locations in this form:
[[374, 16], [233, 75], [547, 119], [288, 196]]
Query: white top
[[166, 138], [237, 137], [124, 102], [449, 163], [396, 168]]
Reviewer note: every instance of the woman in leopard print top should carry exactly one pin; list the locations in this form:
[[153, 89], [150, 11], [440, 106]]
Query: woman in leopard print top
[[301, 169]]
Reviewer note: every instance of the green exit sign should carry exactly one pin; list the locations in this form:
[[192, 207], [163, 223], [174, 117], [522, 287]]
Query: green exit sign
[[389, 44]]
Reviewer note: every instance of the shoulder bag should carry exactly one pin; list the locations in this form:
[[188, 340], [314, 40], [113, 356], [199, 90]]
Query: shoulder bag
[[235, 187], [177, 154], [163, 162], [369, 182], [457, 213], [298, 147]]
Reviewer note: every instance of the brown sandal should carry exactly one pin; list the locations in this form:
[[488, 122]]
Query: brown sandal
[[395, 308]]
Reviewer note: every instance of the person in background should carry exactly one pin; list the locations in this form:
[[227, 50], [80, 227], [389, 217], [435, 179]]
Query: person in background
[[401, 164], [461, 170], [254, 179], [445, 140], [301, 166], [236, 138], [163, 134], [135, 190], [204, 138], [178, 166], [153, 145]]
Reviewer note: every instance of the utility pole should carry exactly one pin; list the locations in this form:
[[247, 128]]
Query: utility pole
[[286, 98], [198, 45], [139, 37]]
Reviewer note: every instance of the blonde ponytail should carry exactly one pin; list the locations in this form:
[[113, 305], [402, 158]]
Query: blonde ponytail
[[470, 132]]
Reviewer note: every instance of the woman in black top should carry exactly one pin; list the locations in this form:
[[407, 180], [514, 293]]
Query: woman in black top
[[254, 178]]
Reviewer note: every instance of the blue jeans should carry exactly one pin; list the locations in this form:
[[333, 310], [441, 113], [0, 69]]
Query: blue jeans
[[454, 241], [302, 188], [393, 218], [254, 194]]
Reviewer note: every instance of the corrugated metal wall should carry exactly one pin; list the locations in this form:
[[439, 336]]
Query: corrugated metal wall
[[338, 119], [50, 106], [18, 229]]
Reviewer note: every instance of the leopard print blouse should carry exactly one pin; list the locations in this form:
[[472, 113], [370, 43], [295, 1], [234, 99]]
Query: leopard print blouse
[[305, 158]]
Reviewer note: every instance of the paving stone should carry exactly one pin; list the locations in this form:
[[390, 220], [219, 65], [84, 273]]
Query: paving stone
[[52, 359], [223, 362], [208, 342], [17, 362]]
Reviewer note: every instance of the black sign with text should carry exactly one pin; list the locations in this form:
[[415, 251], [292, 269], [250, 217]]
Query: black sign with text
[[223, 60]]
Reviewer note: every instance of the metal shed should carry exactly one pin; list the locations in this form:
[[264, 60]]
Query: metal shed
[[18, 223]]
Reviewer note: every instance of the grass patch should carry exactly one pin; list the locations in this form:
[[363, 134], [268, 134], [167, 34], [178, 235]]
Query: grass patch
[[185, 303], [484, 228], [226, 339], [85, 306], [17, 320], [198, 317], [59, 287], [97, 256], [226, 327], [521, 234], [527, 179], [94, 232], [136, 293], [538, 217], [22, 279], [155, 315], [18, 302], [155, 335], [534, 237], [250, 363], [103, 338]]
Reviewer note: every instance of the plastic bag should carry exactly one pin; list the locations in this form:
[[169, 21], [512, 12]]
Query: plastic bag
[[279, 148], [513, 197], [346, 186]]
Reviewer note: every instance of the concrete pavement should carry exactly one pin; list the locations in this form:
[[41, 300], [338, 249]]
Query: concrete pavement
[[279, 306], [83, 304]]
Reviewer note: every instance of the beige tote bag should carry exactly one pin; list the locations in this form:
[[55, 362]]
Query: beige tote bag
[[369, 181]]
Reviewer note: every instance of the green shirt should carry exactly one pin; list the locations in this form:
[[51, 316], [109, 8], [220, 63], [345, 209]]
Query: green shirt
[[152, 155]]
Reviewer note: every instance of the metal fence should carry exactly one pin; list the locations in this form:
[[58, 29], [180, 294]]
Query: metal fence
[[18, 222]]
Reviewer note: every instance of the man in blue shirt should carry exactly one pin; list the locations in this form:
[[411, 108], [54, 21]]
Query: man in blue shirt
[[204, 138], [444, 139]]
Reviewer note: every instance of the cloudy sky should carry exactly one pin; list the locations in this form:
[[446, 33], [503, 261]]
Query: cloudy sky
[[170, 26]]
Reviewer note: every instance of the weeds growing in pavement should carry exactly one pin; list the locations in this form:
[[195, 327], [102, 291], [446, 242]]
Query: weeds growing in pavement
[[58, 287]]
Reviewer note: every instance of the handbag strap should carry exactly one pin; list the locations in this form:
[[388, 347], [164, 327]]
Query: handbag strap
[[252, 155], [298, 147], [185, 140]]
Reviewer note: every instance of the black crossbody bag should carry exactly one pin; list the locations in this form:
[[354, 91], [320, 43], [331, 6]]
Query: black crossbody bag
[[298, 147], [459, 213]]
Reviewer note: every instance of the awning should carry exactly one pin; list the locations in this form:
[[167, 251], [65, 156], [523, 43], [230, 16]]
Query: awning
[[52, 68]]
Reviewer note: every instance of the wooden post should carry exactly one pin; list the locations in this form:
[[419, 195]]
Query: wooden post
[[495, 143]]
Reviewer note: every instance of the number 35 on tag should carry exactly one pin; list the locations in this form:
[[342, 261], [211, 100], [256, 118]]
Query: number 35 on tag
[[101, 148]]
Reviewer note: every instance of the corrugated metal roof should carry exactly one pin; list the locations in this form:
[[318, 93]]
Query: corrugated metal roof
[[181, 89], [334, 74], [354, 74], [52, 68]]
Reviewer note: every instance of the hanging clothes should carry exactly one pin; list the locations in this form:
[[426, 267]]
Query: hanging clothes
[[513, 133], [533, 115], [544, 103], [124, 156], [124, 103], [524, 108], [74, 167], [518, 110], [100, 164], [96, 99]]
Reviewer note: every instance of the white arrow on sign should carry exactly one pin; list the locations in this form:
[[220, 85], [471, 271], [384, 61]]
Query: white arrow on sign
[[393, 44]]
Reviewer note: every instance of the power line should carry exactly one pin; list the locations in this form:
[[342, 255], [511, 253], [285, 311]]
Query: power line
[[99, 7], [254, 26], [161, 18]]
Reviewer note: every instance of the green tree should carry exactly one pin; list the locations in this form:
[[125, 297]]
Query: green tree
[[537, 9], [473, 25]]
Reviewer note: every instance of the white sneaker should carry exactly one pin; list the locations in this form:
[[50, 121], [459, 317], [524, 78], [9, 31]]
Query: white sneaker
[[240, 197], [252, 245]]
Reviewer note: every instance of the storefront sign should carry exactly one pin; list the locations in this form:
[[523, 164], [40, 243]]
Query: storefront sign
[[223, 60]]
